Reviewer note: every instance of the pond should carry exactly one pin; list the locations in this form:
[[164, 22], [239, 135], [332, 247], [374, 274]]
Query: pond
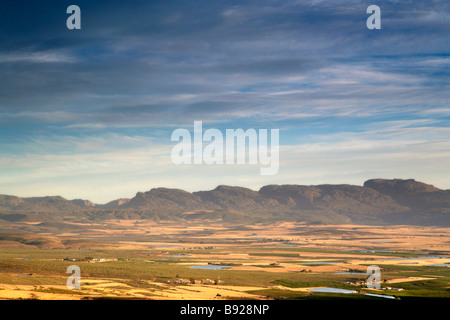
[[333, 290], [380, 295], [338, 290], [211, 267]]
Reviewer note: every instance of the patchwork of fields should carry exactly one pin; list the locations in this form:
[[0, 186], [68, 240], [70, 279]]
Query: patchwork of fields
[[140, 259]]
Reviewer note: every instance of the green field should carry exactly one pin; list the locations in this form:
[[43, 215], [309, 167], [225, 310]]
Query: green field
[[157, 260], [38, 267]]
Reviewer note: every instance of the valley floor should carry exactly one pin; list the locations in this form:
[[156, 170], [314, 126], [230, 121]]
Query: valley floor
[[208, 260]]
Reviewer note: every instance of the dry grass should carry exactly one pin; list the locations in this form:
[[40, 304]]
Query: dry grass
[[278, 249]]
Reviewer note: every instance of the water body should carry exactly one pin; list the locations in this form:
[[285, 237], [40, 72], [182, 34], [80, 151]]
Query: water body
[[211, 267], [338, 290], [332, 290], [380, 295]]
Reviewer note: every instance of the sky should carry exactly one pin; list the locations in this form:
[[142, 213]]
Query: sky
[[89, 113]]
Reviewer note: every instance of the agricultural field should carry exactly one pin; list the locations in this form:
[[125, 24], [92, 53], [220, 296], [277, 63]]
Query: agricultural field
[[207, 260]]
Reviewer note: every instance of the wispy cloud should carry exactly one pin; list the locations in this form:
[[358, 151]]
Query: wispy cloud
[[350, 102], [37, 57]]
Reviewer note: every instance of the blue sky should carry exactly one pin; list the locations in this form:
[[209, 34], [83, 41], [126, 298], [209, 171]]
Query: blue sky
[[89, 113]]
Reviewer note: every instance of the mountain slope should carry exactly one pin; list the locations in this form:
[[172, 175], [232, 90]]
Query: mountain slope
[[164, 198], [236, 198], [378, 201], [427, 205]]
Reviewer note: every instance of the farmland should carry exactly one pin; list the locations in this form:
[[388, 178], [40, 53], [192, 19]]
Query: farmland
[[139, 259]]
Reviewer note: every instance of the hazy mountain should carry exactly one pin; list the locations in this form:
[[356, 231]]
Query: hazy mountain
[[343, 199], [164, 198], [37, 204], [378, 201], [426, 204], [83, 203], [10, 202], [411, 193], [115, 204], [236, 198], [400, 190]]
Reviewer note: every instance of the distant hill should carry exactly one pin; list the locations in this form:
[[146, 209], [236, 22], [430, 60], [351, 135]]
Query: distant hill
[[426, 204], [236, 198], [113, 204], [38, 204], [164, 198], [378, 201], [83, 203]]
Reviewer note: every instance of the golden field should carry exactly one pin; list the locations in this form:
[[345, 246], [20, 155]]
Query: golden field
[[139, 259]]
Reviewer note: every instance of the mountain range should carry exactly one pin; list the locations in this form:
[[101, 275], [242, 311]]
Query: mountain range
[[378, 201]]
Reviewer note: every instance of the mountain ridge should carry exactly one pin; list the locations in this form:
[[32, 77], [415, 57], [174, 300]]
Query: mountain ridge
[[383, 201]]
